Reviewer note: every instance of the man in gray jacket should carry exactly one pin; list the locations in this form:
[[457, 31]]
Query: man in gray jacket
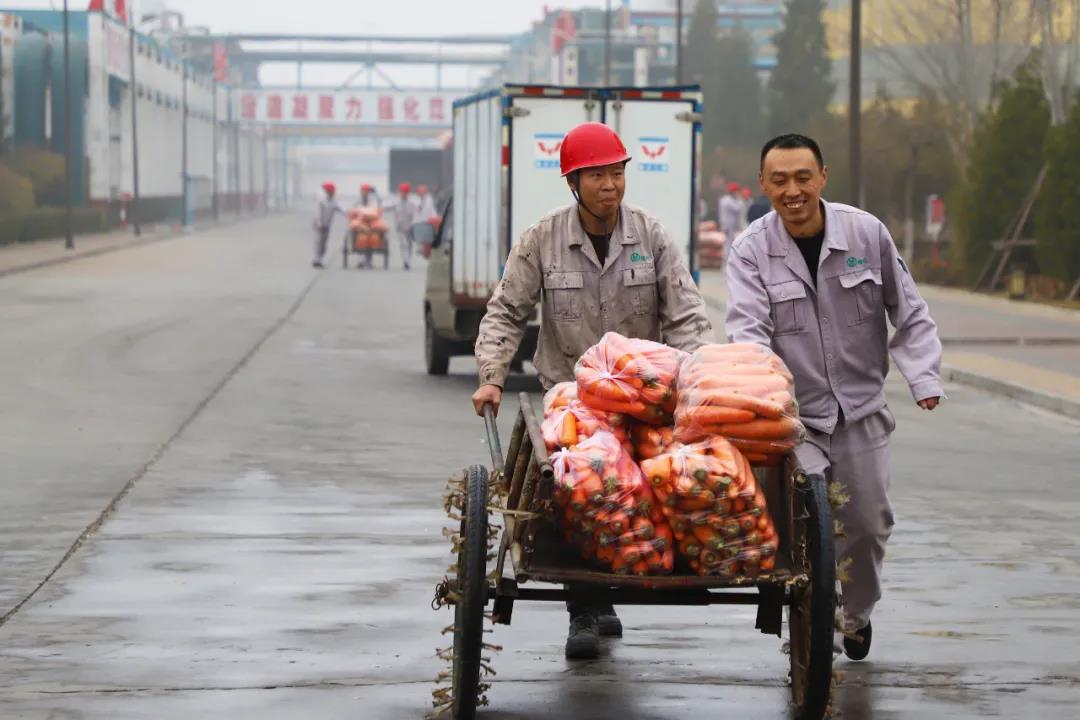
[[600, 266], [815, 281]]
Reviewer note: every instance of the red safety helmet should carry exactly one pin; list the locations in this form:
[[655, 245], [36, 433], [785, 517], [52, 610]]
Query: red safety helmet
[[404, 188], [421, 189], [591, 144], [733, 187], [747, 193], [329, 187], [366, 188]]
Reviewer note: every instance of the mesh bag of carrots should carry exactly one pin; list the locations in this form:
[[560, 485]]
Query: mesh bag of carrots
[[716, 509], [566, 417], [607, 510], [630, 376], [742, 392]]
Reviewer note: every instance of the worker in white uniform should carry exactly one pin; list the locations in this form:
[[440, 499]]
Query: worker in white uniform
[[816, 281], [731, 212], [405, 208], [324, 218]]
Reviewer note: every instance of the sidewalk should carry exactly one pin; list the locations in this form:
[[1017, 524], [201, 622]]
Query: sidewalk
[[1025, 351], [20, 257]]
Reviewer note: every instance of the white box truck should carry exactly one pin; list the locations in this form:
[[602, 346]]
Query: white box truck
[[506, 177]]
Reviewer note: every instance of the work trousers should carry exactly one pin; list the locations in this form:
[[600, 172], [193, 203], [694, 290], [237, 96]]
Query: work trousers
[[858, 455], [405, 242], [322, 234]]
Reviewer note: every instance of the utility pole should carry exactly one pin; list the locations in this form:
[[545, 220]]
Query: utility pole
[[133, 209], [607, 43], [184, 140], [214, 149], [855, 103], [678, 42], [69, 240]]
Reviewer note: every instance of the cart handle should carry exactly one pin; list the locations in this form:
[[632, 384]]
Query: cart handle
[[494, 445]]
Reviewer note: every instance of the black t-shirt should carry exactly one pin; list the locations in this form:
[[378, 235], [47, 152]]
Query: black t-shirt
[[810, 247], [600, 245]]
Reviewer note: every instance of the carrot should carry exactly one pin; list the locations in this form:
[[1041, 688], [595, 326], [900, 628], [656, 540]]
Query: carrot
[[767, 447], [569, 433], [766, 383], [780, 429], [604, 404], [606, 554], [706, 414], [642, 528], [758, 406], [664, 538]]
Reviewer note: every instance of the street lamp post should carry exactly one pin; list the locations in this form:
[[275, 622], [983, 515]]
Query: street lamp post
[[855, 103], [678, 42], [69, 240], [607, 43], [133, 208], [184, 139]]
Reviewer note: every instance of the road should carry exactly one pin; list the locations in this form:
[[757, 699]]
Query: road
[[257, 461]]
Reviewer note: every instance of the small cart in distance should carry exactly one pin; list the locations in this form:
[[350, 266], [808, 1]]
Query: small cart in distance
[[803, 580]]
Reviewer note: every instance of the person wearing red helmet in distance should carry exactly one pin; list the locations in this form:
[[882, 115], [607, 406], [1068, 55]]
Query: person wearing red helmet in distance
[[731, 212], [599, 265], [406, 207], [324, 218]]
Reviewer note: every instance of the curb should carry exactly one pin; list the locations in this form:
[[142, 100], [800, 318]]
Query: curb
[[136, 241], [1014, 391]]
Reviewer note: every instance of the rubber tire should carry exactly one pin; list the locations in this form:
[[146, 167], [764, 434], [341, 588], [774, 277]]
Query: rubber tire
[[818, 633], [472, 589], [436, 350]]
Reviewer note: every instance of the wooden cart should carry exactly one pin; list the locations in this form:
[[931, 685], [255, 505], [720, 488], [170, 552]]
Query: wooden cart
[[532, 550]]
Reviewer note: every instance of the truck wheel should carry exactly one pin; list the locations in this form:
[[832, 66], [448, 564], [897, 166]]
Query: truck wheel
[[436, 351]]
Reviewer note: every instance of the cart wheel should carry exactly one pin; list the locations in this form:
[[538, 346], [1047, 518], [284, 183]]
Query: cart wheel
[[436, 353], [472, 591], [813, 609]]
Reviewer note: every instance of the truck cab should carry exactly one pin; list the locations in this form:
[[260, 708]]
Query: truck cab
[[452, 327]]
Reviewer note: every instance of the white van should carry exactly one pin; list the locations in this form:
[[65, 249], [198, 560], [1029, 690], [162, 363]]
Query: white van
[[506, 177]]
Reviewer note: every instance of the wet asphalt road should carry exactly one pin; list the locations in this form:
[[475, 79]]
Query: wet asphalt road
[[276, 551]]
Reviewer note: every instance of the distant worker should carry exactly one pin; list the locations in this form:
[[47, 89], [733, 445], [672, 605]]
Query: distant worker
[[759, 208], [427, 204], [405, 210], [746, 195], [731, 212], [369, 198], [324, 218], [592, 266]]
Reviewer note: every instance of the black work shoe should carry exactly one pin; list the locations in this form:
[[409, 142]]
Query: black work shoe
[[859, 649], [583, 642], [608, 624]]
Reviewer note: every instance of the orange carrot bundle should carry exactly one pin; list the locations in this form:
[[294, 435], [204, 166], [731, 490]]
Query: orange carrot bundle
[[742, 392], [570, 424], [607, 511], [718, 514], [649, 441], [630, 376], [559, 395]]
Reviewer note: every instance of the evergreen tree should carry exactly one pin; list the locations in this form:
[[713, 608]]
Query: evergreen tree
[[800, 88], [702, 48], [1006, 154], [736, 109], [1058, 218]]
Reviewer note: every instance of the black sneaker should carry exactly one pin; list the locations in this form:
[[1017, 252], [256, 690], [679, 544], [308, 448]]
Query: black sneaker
[[583, 641], [859, 649], [608, 624]]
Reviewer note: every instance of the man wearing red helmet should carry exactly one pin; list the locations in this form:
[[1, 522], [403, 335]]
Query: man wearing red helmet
[[599, 266], [731, 212], [324, 218], [406, 207]]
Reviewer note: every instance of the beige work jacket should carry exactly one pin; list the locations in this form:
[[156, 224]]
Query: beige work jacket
[[643, 290]]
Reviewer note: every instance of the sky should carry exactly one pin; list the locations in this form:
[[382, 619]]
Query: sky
[[389, 17]]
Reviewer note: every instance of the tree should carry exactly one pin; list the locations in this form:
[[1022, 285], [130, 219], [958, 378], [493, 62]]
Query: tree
[[1058, 216], [736, 109], [702, 48], [1005, 157], [800, 87]]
